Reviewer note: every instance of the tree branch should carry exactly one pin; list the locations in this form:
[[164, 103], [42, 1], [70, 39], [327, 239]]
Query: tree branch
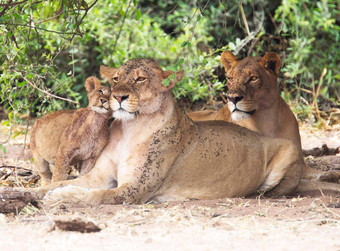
[[43, 91], [12, 4], [251, 35], [81, 20], [5, 7], [33, 27], [121, 27], [48, 19], [244, 19]]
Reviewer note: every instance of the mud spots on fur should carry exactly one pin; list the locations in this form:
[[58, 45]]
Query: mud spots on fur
[[119, 199], [155, 142], [159, 163]]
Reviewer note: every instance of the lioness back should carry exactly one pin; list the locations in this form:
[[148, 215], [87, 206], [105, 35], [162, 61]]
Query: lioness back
[[205, 115], [230, 153]]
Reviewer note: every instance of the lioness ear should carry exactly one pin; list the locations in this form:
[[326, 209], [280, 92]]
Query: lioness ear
[[228, 60], [173, 80], [271, 61], [91, 83], [107, 72]]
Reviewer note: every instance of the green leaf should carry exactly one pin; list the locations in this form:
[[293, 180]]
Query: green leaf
[[21, 84], [166, 82], [138, 14], [180, 62], [172, 68], [3, 148], [122, 12], [10, 116], [184, 44], [17, 134], [5, 123]]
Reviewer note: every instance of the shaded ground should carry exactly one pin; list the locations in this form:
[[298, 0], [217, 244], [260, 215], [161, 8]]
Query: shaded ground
[[310, 221]]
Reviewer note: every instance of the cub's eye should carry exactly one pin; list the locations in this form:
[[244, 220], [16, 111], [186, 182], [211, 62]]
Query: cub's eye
[[101, 92], [140, 79], [253, 78], [115, 79], [230, 79]]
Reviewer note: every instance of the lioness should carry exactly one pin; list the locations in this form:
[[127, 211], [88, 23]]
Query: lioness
[[254, 102], [156, 152], [67, 138]]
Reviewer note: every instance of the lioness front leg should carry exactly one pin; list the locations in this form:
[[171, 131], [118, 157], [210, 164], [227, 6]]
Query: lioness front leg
[[102, 175], [83, 181], [285, 171], [95, 196], [136, 186]]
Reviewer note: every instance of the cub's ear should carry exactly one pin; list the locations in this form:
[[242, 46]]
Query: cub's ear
[[92, 83], [173, 80], [271, 61], [228, 60], [107, 72]]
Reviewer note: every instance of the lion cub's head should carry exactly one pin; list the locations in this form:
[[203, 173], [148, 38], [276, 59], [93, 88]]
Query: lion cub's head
[[137, 88], [252, 83], [98, 95]]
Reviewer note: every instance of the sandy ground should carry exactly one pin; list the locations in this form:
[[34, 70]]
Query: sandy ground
[[307, 221]]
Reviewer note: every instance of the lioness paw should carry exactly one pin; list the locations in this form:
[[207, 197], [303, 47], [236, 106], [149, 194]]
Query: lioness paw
[[69, 193]]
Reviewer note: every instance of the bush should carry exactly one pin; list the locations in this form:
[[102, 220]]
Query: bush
[[51, 47]]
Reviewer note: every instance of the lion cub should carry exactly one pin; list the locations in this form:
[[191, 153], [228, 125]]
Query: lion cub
[[67, 138]]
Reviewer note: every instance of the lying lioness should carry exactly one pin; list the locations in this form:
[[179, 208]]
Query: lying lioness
[[156, 152], [254, 102]]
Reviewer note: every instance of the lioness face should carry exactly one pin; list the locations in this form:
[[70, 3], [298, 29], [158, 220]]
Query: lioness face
[[252, 83], [136, 87], [98, 95]]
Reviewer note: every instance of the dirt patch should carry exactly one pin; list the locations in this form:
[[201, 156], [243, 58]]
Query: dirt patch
[[248, 223], [304, 221]]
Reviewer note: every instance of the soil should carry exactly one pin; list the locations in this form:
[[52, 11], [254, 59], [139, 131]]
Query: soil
[[303, 221]]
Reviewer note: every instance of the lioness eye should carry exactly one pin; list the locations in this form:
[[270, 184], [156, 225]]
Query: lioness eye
[[100, 92], [115, 79], [139, 79], [253, 78]]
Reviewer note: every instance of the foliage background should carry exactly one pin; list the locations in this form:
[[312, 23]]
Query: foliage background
[[48, 48]]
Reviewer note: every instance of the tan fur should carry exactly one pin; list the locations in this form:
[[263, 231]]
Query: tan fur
[[67, 138], [156, 152], [221, 114], [269, 113]]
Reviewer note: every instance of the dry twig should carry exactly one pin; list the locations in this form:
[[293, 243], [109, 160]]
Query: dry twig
[[43, 91], [316, 94]]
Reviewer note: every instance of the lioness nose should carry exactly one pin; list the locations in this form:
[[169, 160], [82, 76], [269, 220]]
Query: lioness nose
[[235, 99], [103, 101], [120, 99]]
